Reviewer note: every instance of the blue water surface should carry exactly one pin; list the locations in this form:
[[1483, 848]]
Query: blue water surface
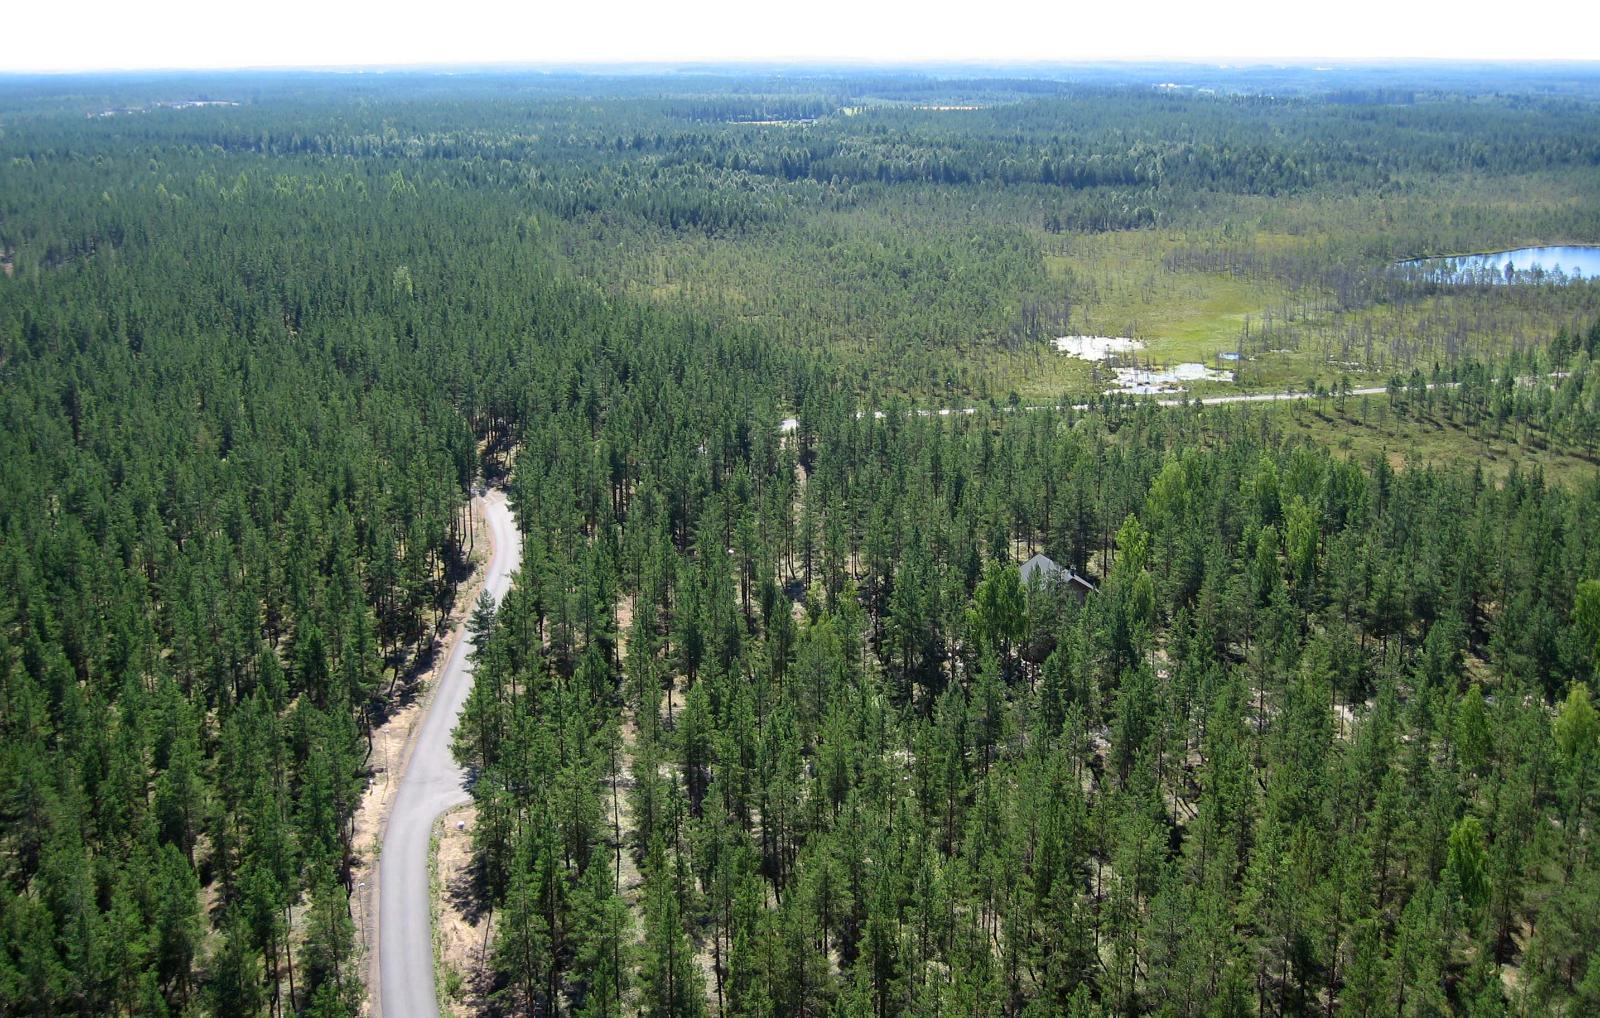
[[1520, 265]]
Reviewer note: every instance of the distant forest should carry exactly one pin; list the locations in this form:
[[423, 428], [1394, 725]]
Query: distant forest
[[769, 723]]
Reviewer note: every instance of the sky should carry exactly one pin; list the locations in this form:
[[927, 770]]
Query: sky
[[75, 35]]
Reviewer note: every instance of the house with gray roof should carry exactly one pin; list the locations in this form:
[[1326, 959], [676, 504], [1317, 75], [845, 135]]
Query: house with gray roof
[[1046, 570]]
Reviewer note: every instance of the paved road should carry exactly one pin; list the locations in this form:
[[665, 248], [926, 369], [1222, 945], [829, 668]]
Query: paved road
[[1276, 397], [789, 424], [431, 784]]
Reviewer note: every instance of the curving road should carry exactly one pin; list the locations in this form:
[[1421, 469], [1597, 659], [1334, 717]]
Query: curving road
[[431, 784]]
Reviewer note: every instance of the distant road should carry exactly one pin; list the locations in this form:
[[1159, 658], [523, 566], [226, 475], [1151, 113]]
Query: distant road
[[1275, 397], [789, 424], [430, 784]]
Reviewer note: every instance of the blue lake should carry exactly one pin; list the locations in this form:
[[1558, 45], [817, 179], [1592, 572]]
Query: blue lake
[[1521, 265]]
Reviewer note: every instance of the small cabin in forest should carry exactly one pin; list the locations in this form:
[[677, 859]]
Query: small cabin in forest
[[1049, 571]]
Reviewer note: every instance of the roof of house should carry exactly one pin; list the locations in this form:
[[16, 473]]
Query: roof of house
[[1048, 569]]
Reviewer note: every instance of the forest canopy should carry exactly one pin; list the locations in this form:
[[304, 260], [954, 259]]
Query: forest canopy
[[770, 722]]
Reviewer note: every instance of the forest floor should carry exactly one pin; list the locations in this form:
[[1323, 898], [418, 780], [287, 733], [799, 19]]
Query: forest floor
[[461, 925], [391, 742], [620, 819], [630, 881], [704, 956], [1435, 441]]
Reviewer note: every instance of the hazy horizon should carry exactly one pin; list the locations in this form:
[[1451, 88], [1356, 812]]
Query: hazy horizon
[[182, 35], [820, 64]]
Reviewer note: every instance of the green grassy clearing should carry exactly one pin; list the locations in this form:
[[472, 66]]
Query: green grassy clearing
[[1365, 433]]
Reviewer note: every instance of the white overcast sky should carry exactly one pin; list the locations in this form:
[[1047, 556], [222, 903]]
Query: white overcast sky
[[55, 35]]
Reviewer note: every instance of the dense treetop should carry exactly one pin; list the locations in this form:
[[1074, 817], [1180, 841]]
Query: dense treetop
[[768, 724]]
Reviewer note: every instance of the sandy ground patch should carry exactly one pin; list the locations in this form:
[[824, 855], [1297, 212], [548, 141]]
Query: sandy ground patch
[[460, 932], [620, 820]]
